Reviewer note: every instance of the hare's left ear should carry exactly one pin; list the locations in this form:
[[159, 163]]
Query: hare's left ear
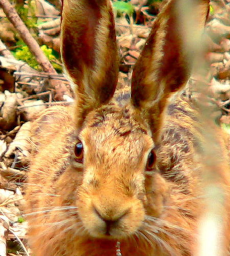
[[89, 52], [165, 63]]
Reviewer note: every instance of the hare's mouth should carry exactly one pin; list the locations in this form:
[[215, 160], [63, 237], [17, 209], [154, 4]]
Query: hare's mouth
[[110, 230], [116, 228]]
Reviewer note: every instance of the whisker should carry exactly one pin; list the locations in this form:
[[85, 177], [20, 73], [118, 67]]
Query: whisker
[[158, 229], [50, 224], [68, 224], [191, 198], [45, 219], [145, 238], [51, 209], [158, 222], [162, 243], [47, 194]]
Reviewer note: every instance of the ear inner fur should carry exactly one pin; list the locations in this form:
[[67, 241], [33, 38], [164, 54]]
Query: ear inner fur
[[165, 63], [89, 51]]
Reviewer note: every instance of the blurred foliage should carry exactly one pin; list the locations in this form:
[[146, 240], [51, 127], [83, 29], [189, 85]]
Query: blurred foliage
[[21, 219], [27, 13], [23, 53], [226, 127], [211, 10], [153, 1], [121, 7]]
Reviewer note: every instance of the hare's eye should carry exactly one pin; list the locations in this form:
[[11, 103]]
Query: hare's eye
[[151, 160], [79, 152]]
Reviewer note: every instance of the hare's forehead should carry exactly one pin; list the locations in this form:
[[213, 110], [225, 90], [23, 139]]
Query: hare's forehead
[[108, 149], [108, 137], [113, 127], [115, 119]]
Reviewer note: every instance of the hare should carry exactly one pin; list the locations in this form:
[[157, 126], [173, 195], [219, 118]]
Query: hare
[[119, 173]]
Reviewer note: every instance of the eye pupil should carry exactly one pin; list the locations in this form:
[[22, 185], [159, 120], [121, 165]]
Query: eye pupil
[[78, 150], [151, 160]]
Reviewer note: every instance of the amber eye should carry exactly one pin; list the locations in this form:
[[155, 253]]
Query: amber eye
[[79, 152], [151, 160]]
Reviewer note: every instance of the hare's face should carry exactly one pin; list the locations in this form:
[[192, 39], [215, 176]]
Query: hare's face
[[119, 176], [108, 188], [120, 185]]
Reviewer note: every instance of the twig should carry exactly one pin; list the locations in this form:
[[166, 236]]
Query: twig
[[19, 240], [23, 31], [13, 174], [45, 75], [35, 96], [47, 103]]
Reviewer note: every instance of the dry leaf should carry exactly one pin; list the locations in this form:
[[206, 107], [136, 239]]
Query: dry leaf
[[3, 147], [5, 195], [21, 144], [7, 80], [45, 8], [4, 227], [32, 108], [8, 103]]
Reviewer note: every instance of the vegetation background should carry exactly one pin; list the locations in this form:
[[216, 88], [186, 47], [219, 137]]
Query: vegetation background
[[31, 80]]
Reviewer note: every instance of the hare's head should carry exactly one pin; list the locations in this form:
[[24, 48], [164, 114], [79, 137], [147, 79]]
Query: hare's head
[[114, 154]]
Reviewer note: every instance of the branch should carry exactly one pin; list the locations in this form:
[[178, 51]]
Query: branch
[[24, 33]]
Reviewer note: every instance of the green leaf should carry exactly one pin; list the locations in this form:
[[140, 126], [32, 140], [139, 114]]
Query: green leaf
[[123, 7], [226, 127], [153, 1], [21, 219], [211, 10], [25, 55]]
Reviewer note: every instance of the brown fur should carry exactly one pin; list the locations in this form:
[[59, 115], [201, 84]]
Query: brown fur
[[85, 209]]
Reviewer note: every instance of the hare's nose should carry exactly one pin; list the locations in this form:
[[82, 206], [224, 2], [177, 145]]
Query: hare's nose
[[111, 220]]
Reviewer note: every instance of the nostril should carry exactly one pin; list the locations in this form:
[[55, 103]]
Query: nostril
[[98, 213], [111, 218], [111, 221]]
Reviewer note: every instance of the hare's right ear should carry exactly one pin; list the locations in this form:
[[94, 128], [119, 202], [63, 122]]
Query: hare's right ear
[[165, 63], [89, 52]]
